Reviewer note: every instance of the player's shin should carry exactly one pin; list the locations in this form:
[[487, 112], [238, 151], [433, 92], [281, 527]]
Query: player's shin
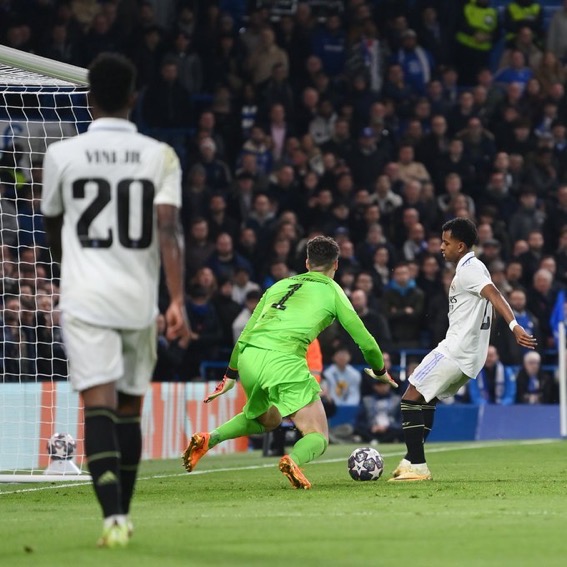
[[308, 448], [129, 434], [238, 426], [413, 428], [103, 457], [428, 411]]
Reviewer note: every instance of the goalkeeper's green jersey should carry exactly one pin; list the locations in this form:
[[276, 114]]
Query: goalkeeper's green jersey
[[293, 312]]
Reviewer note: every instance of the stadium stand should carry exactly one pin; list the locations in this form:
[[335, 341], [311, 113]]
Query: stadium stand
[[311, 104]]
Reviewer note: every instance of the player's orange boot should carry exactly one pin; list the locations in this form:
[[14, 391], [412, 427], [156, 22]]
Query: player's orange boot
[[198, 446], [293, 473]]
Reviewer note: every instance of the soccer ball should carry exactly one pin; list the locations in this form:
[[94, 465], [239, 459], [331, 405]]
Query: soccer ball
[[365, 464], [61, 446]]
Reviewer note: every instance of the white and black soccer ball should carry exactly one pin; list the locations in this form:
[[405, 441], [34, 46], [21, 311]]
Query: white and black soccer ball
[[365, 463], [61, 446]]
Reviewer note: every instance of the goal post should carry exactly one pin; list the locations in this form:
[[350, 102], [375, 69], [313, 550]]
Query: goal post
[[41, 101], [41, 68]]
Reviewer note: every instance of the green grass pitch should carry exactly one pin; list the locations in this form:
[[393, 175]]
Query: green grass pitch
[[490, 504]]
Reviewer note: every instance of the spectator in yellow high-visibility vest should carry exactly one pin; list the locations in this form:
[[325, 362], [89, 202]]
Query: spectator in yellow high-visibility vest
[[523, 13], [477, 32]]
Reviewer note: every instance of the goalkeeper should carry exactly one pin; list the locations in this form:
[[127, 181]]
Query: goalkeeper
[[269, 357]]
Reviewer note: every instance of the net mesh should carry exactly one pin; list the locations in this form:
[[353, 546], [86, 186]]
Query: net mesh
[[35, 396]]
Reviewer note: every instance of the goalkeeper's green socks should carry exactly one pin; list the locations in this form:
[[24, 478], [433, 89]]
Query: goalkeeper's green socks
[[238, 426], [309, 447]]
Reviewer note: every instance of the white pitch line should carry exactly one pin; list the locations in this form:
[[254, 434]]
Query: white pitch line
[[475, 446]]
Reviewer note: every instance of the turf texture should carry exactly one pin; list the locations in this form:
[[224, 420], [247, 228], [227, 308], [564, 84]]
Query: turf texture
[[490, 504]]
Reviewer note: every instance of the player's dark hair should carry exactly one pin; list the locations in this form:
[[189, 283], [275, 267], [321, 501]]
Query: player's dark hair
[[112, 79], [462, 229], [322, 252]]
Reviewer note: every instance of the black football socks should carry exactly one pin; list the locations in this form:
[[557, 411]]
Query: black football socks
[[103, 457], [129, 434], [413, 428], [428, 418]]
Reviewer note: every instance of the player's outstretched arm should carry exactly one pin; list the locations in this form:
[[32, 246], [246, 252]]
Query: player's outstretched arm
[[492, 293], [53, 226], [170, 240]]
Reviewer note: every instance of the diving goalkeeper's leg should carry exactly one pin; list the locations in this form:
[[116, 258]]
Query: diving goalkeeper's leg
[[238, 426], [312, 422]]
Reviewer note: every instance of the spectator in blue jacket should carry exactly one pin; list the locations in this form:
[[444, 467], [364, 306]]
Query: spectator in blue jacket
[[417, 63], [516, 71], [329, 44]]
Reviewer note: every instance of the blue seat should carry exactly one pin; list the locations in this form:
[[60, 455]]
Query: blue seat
[[345, 414]]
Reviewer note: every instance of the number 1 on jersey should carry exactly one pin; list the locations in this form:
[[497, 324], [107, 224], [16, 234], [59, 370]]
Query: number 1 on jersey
[[292, 289]]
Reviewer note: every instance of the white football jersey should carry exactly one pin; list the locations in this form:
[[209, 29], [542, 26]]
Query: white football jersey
[[470, 317], [106, 183]]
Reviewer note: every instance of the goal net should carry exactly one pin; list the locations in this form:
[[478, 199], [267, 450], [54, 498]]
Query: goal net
[[41, 101]]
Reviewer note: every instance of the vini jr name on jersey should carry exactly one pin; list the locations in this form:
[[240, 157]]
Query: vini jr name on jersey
[[112, 156]]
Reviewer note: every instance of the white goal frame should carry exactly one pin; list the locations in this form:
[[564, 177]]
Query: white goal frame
[[69, 74], [38, 72]]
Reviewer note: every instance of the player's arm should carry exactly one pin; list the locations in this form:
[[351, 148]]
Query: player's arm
[[167, 203], [52, 204], [502, 307], [170, 239], [231, 373], [354, 326], [53, 227]]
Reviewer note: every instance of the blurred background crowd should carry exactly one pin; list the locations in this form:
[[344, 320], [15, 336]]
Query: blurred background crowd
[[372, 121]]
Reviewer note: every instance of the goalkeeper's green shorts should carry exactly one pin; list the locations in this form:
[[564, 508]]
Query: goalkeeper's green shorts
[[272, 378]]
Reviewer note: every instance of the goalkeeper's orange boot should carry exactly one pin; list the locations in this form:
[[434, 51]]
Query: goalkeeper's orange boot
[[198, 446], [293, 473]]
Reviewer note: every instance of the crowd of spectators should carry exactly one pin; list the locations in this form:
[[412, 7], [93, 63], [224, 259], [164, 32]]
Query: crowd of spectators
[[372, 121]]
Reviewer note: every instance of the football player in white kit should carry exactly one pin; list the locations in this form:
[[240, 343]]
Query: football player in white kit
[[111, 200], [462, 354]]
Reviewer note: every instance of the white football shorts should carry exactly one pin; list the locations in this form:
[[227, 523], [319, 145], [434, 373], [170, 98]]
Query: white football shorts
[[437, 376], [99, 355]]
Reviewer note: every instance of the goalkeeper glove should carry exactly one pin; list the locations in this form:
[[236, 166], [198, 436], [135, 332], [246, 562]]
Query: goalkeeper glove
[[226, 384], [381, 376]]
